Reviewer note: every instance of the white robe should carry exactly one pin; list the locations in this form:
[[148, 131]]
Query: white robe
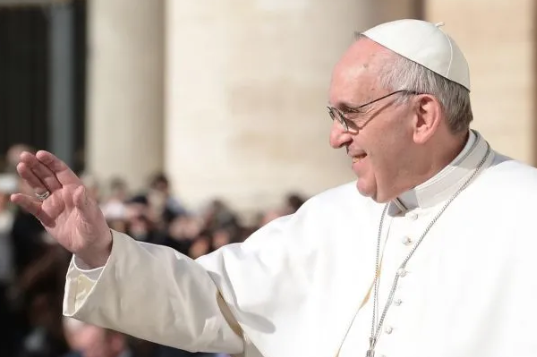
[[300, 285]]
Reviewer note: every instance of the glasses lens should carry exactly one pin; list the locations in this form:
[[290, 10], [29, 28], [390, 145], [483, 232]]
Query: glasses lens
[[332, 114], [336, 115]]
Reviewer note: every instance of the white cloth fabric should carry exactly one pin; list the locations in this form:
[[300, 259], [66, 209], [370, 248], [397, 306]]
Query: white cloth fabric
[[300, 286], [426, 44]]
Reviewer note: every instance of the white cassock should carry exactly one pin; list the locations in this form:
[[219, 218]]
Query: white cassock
[[302, 285]]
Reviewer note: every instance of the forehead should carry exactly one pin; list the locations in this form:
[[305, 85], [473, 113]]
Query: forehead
[[355, 76]]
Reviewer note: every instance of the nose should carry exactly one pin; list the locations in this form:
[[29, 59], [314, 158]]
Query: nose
[[338, 136]]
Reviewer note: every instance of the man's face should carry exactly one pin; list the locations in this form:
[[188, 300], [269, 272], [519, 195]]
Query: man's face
[[380, 138]]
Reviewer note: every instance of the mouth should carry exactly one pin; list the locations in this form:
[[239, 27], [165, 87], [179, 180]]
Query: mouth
[[358, 158]]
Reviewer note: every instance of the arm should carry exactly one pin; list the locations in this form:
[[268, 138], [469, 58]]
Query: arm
[[153, 293], [270, 284], [269, 289], [144, 290]]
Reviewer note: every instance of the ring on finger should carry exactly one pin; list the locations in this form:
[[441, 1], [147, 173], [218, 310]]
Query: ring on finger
[[42, 196]]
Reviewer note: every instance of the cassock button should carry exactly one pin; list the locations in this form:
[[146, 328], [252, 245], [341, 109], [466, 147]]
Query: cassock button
[[401, 272], [388, 329], [398, 302], [413, 216], [407, 240]]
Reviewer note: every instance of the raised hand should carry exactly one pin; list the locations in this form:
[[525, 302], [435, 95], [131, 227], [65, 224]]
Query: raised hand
[[64, 208]]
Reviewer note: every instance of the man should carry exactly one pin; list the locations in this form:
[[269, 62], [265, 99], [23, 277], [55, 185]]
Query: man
[[444, 223]]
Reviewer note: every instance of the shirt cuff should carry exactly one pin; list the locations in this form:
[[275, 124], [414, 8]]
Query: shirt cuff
[[83, 268]]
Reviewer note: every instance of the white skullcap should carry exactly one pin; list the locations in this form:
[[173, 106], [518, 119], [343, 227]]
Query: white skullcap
[[426, 44]]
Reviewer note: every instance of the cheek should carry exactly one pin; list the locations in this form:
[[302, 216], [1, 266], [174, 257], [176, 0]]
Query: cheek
[[385, 141], [387, 153], [382, 162]]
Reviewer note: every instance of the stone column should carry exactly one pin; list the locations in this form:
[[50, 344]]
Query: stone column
[[246, 94], [125, 89], [502, 67]]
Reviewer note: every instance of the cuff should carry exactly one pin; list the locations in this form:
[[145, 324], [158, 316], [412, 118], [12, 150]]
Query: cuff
[[78, 287], [80, 282], [82, 268]]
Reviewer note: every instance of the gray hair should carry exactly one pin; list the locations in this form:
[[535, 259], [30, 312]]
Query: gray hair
[[400, 73]]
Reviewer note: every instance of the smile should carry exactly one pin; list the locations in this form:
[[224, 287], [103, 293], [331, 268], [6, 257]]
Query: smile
[[358, 158]]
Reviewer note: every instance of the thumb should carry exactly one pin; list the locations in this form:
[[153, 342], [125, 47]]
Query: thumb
[[83, 202], [90, 213], [92, 229]]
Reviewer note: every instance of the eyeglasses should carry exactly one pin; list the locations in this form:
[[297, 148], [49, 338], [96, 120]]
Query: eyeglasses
[[338, 115]]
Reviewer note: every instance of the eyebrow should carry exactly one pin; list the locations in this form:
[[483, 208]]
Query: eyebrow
[[344, 104]]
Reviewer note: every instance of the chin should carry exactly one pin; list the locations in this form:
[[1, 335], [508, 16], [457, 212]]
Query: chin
[[366, 190], [370, 191]]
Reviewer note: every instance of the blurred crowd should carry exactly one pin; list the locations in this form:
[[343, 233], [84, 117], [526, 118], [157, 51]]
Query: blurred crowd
[[33, 266]]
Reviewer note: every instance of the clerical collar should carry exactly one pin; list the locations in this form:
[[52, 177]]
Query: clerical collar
[[444, 184]]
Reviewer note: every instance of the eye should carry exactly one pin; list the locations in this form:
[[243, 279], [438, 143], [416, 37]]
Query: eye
[[351, 113]]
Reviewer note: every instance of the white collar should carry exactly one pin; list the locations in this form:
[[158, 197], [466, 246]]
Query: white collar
[[444, 184]]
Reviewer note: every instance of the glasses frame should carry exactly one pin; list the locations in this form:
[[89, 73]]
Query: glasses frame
[[338, 115]]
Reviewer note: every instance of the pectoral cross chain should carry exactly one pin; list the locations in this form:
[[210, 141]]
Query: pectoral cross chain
[[371, 350]]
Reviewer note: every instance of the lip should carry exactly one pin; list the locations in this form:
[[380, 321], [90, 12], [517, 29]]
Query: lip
[[359, 157], [358, 163]]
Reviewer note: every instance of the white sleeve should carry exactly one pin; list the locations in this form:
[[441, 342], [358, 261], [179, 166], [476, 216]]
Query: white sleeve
[[153, 293]]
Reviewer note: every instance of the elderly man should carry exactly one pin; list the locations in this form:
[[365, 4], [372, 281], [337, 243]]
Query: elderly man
[[431, 252]]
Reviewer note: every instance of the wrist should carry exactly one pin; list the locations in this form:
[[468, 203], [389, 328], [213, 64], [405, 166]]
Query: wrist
[[97, 255]]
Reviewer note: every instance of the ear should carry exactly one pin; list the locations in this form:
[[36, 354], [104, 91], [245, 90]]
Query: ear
[[429, 115]]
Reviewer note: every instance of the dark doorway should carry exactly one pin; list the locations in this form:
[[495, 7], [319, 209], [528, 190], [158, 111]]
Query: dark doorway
[[25, 78]]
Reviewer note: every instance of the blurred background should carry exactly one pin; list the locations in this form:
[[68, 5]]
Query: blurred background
[[196, 122]]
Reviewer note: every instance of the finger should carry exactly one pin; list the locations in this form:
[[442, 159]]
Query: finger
[[29, 176], [32, 206], [61, 171], [41, 171]]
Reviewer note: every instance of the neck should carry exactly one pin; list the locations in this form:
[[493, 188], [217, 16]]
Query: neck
[[436, 156], [442, 179], [447, 150]]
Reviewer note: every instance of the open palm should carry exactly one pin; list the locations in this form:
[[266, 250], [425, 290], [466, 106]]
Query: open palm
[[68, 214]]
